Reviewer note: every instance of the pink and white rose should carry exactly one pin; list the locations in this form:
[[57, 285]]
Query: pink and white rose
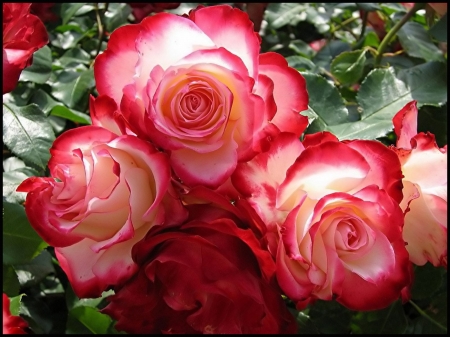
[[197, 87], [332, 210], [424, 167], [104, 194]]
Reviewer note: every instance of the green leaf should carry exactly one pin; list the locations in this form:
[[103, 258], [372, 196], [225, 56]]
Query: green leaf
[[348, 67], [72, 115], [301, 48], [34, 271], [72, 88], [330, 317], [43, 100], [15, 304], [325, 103], [12, 179], [391, 320], [427, 83], [21, 243], [371, 40], [27, 133], [439, 29], [417, 42], [41, 68], [383, 93], [325, 56], [116, 16], [281, 14], [91, 321], [11, 285], [75, 55], [68, 10], [301, 63], [427, 280]]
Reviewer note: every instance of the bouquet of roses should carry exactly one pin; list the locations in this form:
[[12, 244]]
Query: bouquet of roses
[[209, 195]]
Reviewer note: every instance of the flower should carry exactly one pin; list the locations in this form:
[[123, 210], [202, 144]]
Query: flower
[[105, 192], [206, 97], [14, 325], [23, 34], [141, 10], [333, 211], [425, 194], [208, 275]]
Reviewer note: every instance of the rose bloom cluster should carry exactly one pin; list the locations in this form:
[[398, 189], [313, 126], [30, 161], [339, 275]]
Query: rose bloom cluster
[[193, 198]]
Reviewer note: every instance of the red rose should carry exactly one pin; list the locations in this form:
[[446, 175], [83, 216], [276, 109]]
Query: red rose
[[206, 276], [14, 325], [23, 34]]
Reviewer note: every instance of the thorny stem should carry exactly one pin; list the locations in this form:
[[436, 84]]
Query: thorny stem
[[394, 31], [424, 314]]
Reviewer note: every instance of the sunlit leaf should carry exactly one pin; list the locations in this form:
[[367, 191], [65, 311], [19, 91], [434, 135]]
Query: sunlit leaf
[[27, 133]]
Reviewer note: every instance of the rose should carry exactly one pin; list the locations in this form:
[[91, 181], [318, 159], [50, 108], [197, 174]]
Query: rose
[[207, 275], [105, 192], [141, 10], [424, 166], [23, 34], [332, 209], [14, 325], [197, 87]]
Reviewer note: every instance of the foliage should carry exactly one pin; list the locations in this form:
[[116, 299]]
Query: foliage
[[356, 81]]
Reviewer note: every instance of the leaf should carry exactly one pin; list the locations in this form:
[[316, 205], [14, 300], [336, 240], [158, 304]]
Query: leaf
[[348, 67], [68, 10], [371, 40], [301, 63], [75, 55], [325, 56], [11, 285], [439, 29], [27, 133], [433, 319], [417, 42], [325, 103], [301, 48], [43, 100], [15, 304], [21, 243], [12, 179], [281, 14], [41, 68], [72, 87], [116, 16], [391, 320], [34, 271], [427, 280], [383, 93], [330, 317], [72, 115], [90, 318]]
